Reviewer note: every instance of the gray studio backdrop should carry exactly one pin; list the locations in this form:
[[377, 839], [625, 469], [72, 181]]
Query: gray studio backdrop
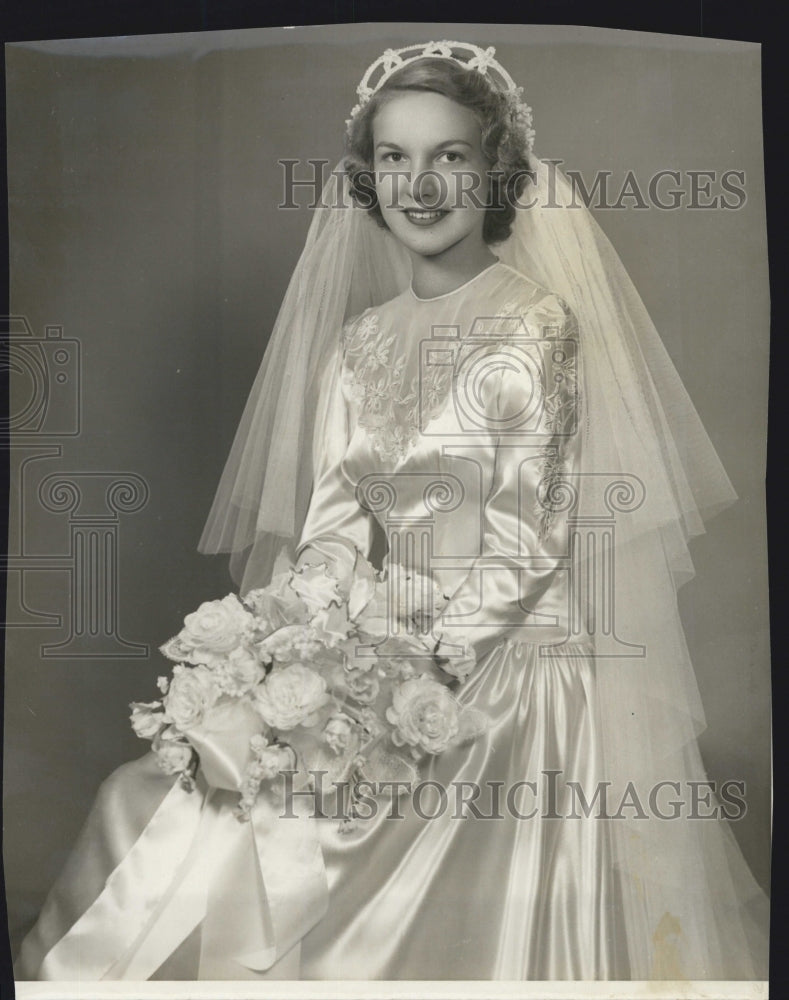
[[148, 260]]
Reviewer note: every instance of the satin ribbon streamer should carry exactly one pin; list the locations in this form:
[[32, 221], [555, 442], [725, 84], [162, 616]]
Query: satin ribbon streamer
[[256, 887]]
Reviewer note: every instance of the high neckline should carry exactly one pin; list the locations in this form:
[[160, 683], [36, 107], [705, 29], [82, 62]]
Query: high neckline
[[453, 291]]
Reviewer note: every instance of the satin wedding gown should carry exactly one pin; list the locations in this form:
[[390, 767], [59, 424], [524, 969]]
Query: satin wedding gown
[[525, 894]]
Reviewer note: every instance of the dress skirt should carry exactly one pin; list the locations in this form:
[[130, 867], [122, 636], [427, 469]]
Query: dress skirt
[[445, 882]]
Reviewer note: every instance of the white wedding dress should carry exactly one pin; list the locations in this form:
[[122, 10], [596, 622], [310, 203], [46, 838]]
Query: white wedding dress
[[414, 451]]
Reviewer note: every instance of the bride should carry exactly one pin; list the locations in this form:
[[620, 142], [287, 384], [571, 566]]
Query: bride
[[462, 384]]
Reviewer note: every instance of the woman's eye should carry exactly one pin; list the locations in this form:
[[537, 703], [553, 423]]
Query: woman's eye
[[450, 156], [393, 157]]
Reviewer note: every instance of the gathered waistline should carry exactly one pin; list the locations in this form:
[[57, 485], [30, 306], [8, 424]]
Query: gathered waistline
[[547, 647]]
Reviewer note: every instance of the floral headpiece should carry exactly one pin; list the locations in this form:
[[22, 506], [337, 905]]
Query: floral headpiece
[[464, 54]]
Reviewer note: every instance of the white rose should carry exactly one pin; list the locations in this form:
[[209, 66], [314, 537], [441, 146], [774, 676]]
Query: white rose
[[270, 760], [241, 672], [147, 718], [259, 602], [178, 651], [291, 696], [172, 755], [192, 691], [338, 733], [425, 715], [396, 670], [217, 626], [362, 686]]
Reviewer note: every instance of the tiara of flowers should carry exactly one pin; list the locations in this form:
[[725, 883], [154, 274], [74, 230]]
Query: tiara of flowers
[[464, 54]]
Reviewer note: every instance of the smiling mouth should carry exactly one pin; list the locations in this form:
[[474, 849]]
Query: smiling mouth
[[424, 216]]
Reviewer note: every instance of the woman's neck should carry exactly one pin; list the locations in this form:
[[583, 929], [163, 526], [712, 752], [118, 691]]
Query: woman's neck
[[444, 272]]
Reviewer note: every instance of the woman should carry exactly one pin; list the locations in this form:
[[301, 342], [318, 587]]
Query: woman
[[498, 414]]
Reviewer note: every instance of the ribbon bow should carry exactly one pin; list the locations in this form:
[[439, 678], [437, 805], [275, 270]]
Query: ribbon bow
[[256, 888]]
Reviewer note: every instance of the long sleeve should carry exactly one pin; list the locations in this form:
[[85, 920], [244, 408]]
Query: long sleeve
[[335, 527], [519, 580]]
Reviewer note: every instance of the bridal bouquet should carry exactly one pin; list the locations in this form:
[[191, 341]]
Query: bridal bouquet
[[310, 673]]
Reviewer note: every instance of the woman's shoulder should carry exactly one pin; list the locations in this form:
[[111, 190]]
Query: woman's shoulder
[[365, 326], [392, 305], [551, 328], [540, 308], [364, 319]]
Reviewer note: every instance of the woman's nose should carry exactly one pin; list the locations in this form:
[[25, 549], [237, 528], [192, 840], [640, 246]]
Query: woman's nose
[[426, 188]]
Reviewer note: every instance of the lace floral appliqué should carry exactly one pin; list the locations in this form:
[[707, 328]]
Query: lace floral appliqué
[[562, 406], [391, 410]]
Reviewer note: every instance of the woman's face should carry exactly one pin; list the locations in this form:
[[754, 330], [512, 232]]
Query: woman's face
[[431, 173]]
